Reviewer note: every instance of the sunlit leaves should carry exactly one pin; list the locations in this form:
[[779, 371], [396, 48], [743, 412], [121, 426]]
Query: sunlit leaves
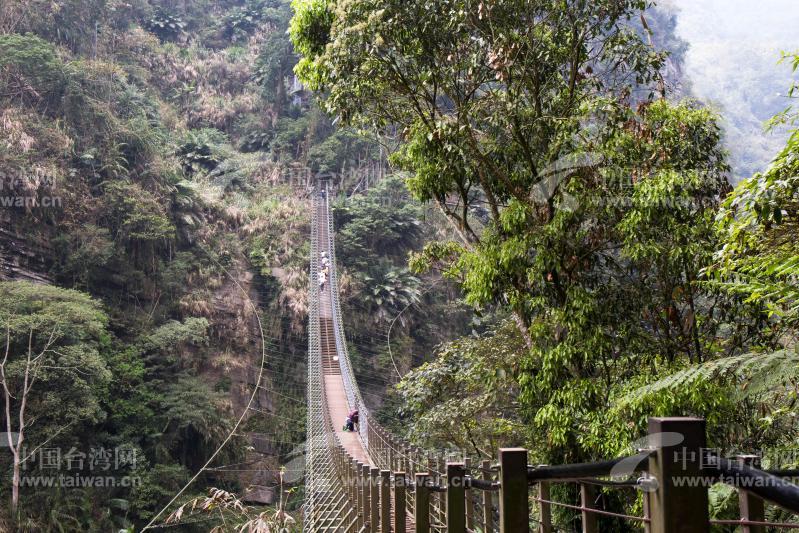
[[759, 259], [595, 256]]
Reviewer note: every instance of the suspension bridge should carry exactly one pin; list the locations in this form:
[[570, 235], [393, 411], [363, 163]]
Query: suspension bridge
[[371, 481]]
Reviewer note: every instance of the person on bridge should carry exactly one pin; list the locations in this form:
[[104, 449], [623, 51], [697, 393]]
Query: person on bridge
[[352, 421], [323, 278]]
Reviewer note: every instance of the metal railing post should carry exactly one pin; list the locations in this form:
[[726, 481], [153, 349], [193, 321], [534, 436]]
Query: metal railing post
[[514, 508], [467, 464], [544, 507], [752, 508], [587, 498]]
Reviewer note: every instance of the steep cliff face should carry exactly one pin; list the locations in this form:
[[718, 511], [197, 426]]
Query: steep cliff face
[[238, 352], [174, 205], [23, 256], [183, 150]]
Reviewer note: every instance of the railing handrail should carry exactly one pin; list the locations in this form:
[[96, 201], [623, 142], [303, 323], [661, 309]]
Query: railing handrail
[[573, 471], [769, 487]]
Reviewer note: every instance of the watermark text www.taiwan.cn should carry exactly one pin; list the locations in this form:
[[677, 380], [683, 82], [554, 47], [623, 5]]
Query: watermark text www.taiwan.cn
[[27, 190]]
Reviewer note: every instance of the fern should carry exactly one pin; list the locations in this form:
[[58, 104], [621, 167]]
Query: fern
[[750, 374]]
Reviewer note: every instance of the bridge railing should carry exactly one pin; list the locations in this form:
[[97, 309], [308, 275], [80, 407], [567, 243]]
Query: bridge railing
[[324, 507], [671, 476]]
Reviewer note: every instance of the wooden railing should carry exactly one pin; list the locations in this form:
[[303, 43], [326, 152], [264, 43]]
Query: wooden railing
[[672, 475]]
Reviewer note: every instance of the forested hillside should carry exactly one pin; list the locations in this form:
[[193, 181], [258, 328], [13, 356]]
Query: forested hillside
[[537, 238], [732, 63]]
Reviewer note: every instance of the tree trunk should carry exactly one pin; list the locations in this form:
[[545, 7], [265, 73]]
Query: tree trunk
[[15, 482], [520, 324]]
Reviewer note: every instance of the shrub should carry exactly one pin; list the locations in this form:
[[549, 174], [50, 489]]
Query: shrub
[[30, 70], [167, 26]]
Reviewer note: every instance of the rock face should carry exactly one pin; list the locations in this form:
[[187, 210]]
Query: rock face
[[22, 257], [262, 495]]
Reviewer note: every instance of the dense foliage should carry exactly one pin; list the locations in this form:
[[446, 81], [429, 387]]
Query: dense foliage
[[759, 258], [158, 157], [149, 143]]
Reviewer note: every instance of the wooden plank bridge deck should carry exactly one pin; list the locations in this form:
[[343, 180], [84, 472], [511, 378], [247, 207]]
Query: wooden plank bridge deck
[[335, 393]]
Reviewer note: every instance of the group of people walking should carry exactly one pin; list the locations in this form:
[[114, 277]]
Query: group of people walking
[[325, 271]]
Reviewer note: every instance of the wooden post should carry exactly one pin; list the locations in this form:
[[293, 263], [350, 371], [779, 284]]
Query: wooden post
[[456, 493], [360, 484], [422, 507], [514, 512], [587, 498], [442, 498], [350, 483], [348, 465], [467, 464], [752, 508], [544, 507], [374, 487], [488, 504], [410, 473], [356, 466], [367, 495], [678, 443], [381, 460], [385, 501], [432, 466], [399, 502]]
